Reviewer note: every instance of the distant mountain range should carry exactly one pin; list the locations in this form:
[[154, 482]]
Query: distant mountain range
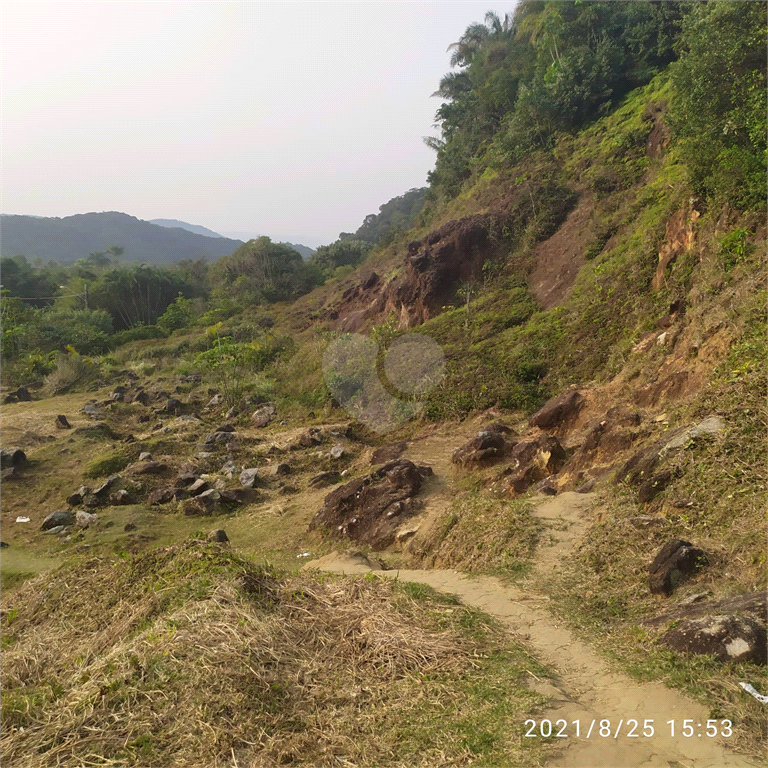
[[74, 237], [176, 224], [160, 241]]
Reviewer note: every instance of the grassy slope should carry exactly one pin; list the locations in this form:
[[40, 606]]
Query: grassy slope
[[191, 655]]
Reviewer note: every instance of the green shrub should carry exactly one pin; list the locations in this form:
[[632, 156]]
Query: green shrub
[[734, 248]]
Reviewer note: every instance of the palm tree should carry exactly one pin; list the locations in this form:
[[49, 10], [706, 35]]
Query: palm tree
[[468, 45]]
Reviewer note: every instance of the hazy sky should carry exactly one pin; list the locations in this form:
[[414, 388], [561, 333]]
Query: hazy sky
[[289, 119]]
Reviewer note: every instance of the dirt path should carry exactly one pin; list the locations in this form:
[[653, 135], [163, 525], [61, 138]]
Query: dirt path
[[583, 688]]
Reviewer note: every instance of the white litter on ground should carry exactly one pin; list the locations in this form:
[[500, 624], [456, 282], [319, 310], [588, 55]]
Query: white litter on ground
[[759, 696]]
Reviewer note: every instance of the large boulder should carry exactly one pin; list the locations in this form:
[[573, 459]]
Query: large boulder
[[727, 637], [370, 509], [532, 461], [675, 563], [559, 410]]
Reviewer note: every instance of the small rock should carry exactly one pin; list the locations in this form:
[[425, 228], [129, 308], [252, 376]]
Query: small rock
[[12, 457], [129, 527], [249, 476], [677, 561], [185, 480], [55, 530], [62, 423], [337, 451], [696, 598], [144, 418], [22, 395], [240, 495], [262, 417], [121, 498], [198, 487], [406, 533], [62, 518], [3, 544], [485, 447], [83, 519], [106, 485], [215, 401], [149, 468], [324, 478], [76, 499], [558, 410], [144, 399], [161, 496], [275, 470], [546, 487], [218, 535], [225, 428], [653, 486], [145, 456], [174, 406]]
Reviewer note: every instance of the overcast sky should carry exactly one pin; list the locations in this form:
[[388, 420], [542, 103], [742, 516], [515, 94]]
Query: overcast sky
[[288, 119]]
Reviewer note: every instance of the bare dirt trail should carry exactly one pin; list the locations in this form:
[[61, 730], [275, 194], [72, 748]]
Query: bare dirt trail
[[584, 689]]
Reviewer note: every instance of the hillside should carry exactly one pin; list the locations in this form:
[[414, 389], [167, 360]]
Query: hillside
[[502, 471], [71, 238]]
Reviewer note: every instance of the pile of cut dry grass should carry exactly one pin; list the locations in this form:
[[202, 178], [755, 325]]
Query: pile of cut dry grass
[[193, 656]]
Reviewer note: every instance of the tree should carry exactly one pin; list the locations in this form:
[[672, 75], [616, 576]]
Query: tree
[[261, 271], [719, 109]]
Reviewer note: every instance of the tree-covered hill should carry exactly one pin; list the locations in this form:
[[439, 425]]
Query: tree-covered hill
[[71, 238]]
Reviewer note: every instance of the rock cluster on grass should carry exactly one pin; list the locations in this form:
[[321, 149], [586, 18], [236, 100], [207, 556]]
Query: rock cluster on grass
[[370, 509]]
